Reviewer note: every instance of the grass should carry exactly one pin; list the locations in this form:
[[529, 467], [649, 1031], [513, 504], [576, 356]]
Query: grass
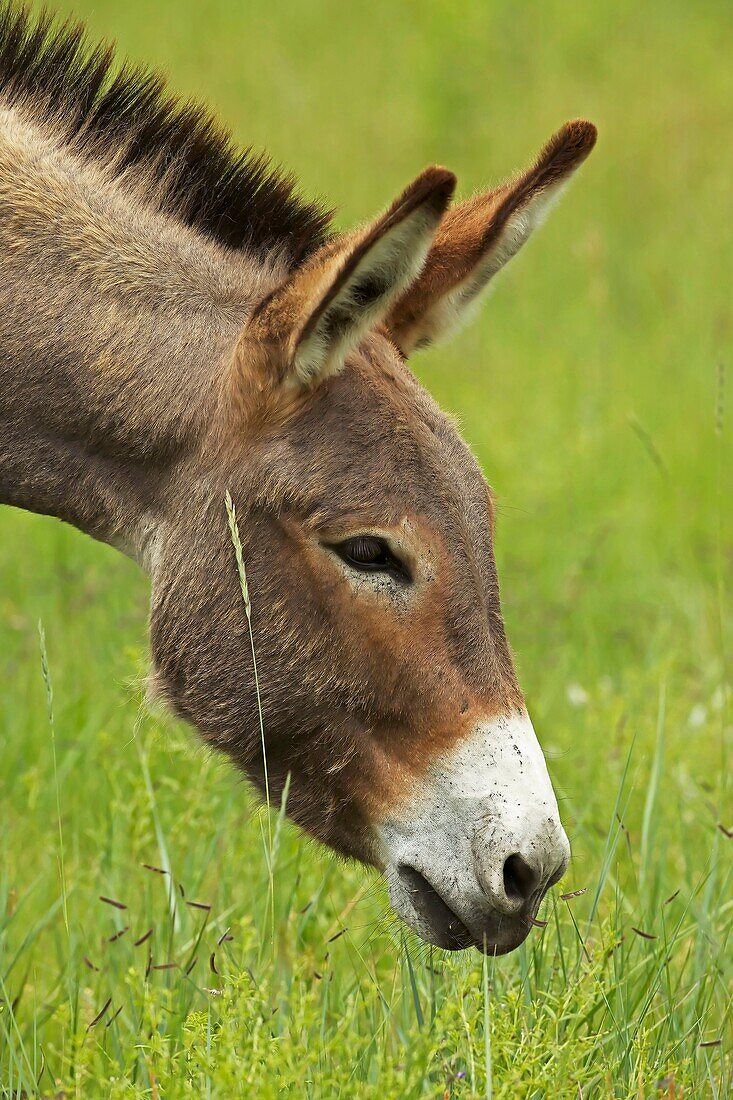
[[596, 390]]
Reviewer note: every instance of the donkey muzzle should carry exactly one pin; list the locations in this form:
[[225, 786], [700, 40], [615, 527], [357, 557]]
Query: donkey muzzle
[[469, 860]]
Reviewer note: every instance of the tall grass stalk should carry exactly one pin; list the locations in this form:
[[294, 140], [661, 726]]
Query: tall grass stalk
[[244, 588], [159, 833], [488, 1068], [652, 788], [46, 672], [720, 556]]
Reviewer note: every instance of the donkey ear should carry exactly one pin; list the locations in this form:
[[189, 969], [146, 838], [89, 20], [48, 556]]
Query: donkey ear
[[477, 237], [313, 320]]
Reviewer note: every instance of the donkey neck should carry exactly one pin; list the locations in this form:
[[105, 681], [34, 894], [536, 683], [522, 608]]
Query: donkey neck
[[115, 322]]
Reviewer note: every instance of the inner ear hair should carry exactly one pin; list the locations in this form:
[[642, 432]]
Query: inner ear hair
[[477, 237], [360, 283]]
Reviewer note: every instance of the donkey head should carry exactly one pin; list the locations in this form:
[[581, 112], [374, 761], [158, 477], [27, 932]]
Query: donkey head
[[387, 689]]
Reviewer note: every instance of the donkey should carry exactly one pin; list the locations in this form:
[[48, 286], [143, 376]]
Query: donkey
[[176, 324]]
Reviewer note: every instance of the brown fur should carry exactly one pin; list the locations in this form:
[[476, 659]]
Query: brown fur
[[148, 365]]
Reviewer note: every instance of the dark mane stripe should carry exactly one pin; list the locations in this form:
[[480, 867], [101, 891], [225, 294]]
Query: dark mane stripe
[[180, 155]]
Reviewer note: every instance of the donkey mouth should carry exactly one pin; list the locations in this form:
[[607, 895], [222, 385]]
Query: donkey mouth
[[447, 929], [440, 924]]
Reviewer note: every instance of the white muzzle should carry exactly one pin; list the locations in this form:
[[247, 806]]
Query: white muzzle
[[470, 859]]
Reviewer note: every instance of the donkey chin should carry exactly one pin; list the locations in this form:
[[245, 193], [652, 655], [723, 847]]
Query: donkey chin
[[481, 844]]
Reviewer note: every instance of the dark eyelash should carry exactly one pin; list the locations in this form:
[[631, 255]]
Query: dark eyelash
[[371, 554]]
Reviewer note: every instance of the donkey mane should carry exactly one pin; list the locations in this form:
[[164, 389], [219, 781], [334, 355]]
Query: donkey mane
[[172, 153]]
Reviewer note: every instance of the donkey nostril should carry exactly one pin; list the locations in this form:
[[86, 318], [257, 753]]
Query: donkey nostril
[[520, 881]]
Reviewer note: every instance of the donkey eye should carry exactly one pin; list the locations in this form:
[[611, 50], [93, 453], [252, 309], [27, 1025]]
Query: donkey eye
[[371, 554]]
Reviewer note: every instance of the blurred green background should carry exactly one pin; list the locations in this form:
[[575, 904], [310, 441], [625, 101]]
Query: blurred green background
[[596, 389]]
